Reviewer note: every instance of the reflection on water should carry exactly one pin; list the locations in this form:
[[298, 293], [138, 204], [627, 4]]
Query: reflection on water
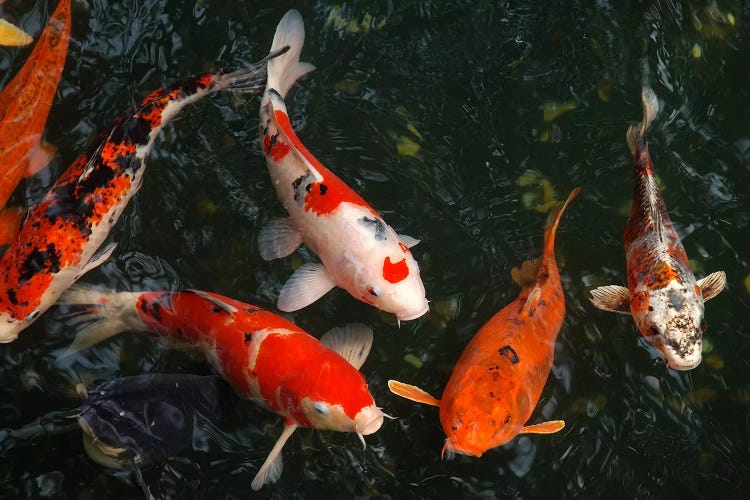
[[433, 111]]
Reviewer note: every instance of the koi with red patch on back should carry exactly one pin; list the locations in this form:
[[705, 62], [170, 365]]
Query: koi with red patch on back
[[24, 105], [499, 377], [59, 241], [663, 296], [372, 263], [264, 357]]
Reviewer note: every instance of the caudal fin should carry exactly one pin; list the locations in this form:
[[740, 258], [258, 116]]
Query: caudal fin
[[554, 221], [650, 104], [284, 70], [98, 315]]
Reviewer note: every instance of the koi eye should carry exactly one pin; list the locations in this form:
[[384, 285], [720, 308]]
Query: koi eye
[[373, 290], [321, 408], [704, 326]]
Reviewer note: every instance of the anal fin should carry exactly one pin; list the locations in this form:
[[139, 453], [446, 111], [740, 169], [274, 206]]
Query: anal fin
[[412, 393]]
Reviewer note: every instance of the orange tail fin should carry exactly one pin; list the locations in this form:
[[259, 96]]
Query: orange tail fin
[[411, 392], [544, 428], [554, 221]]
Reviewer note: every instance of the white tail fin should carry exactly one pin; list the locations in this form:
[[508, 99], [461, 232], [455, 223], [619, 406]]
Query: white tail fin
[[105, 314], [650, 104], [285, 69]]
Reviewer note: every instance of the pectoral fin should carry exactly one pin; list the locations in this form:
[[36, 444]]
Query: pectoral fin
[[412, 393], [613, 298], [278, 239], [13, 36], [308, 283], [352, 342], [712, 285], [544, 428], [408, 240], [271, 469]]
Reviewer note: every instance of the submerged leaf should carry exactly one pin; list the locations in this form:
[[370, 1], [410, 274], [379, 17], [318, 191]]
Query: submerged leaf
[[554, 110], [407, 147], [413, 361]]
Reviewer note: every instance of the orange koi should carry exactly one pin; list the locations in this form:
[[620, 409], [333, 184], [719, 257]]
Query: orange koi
[[267, 359], [60, 239], [499, 377], [663, 296], [24, 105]]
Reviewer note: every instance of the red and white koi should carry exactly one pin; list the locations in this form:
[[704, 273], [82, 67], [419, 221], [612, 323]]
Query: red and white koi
[[264, 357], [60, 238], [358, 250], [663, 297]]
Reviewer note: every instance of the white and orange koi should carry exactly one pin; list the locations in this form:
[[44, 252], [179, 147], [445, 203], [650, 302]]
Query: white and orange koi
[[264, 357], [62, 234], [663, 297], [358, 250]]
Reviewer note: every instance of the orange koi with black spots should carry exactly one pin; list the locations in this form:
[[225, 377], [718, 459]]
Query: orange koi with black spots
[[60, 238], [499, 377], [663, 296], [264, 357], [358, 250], [24, 105]]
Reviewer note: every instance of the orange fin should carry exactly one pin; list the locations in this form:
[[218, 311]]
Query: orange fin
[[554, 220], [13, 36], [10, 224], [527, 274], [411, 392], [544, 428], [40, 157]]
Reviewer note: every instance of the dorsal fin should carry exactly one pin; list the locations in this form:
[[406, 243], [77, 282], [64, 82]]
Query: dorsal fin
[[230, 309]]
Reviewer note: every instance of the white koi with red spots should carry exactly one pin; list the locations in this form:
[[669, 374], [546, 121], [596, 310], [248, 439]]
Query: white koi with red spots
[[358, 250]]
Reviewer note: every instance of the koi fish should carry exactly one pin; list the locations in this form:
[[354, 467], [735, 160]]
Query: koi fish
[[60, 238], [145, 419], [663, 297], [24, 105], [264, 357], [372, 262], [499, 377]]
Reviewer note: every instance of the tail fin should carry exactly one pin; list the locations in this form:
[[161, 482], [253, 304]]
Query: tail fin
[[650, 105], [284, 70], [100, 314], [251, 79], [553, 222]]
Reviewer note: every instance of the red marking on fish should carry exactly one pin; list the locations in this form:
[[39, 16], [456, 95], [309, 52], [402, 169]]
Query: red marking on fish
[[639, 301], [403, 247], [395, 272], [289, 362], [26, 100], [325, 200]]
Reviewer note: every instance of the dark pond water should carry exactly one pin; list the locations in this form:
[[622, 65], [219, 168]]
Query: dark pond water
[[433, 111]]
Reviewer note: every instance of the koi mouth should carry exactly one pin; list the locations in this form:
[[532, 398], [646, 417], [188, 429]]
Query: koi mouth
[[407, 317]]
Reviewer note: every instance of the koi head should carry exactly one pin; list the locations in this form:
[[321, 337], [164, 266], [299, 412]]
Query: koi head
[[672, 320], [392, 283], [335, 417]]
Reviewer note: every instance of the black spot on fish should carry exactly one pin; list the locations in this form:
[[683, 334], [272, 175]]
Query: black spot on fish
[[308, 187], [275, 92], [216, 309], [144, 306], [251, 309], [12, 297], [507, 419], [156, 311], [248, 337], [676, 300], [40, 260], [323, 189], [298, 195], [509, 353], [376, 225]]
